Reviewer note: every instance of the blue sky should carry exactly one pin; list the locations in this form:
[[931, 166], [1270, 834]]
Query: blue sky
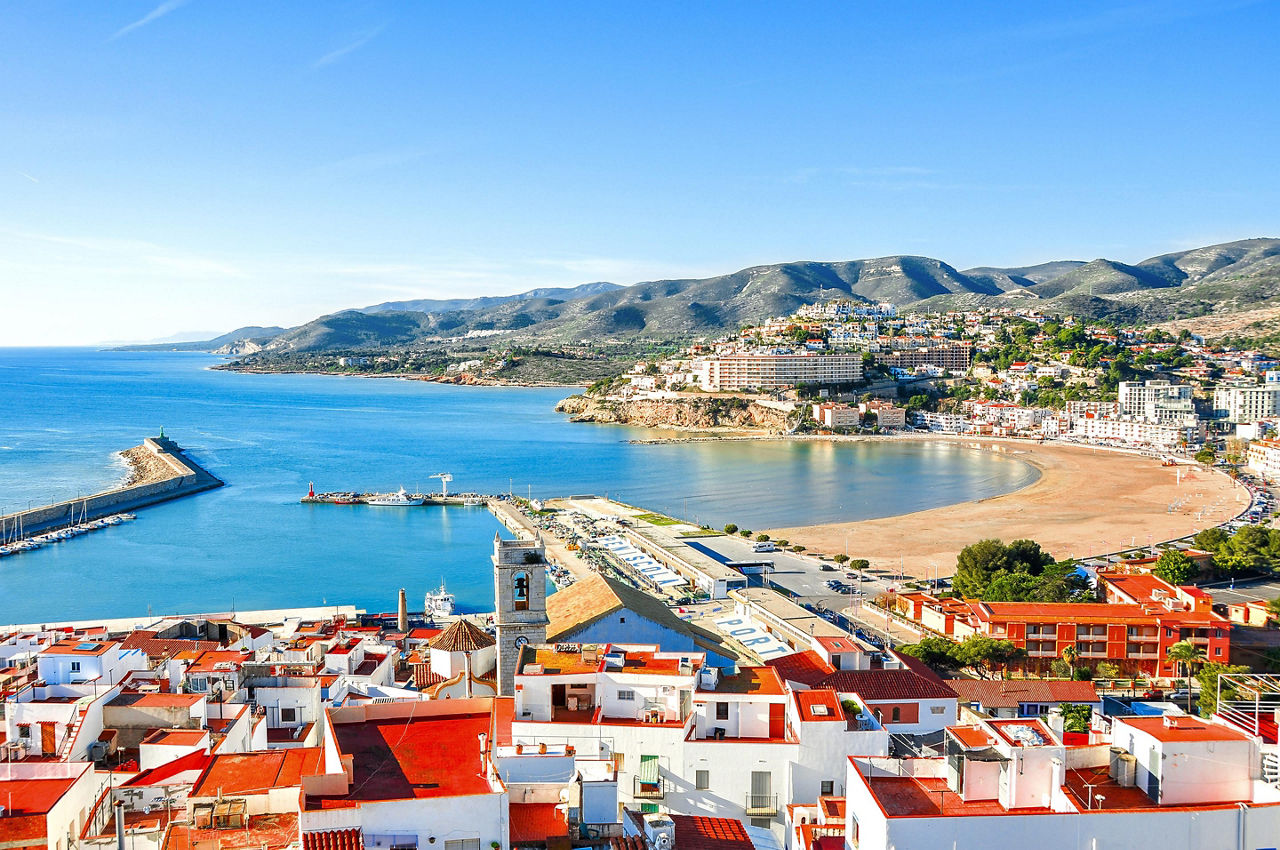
[[184, 166]]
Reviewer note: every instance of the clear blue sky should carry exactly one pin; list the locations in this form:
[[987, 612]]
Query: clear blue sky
[[184, 166]]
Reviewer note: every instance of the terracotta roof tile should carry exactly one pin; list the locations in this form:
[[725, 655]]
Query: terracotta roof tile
[[886, 685], [334, 839], [462, 636], [1011, 693]]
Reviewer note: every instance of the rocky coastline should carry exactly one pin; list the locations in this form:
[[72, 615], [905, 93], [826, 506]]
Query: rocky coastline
[[713, 413]]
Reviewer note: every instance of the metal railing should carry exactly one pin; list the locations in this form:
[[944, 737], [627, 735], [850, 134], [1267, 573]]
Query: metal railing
[[761, 805], [649, 790]]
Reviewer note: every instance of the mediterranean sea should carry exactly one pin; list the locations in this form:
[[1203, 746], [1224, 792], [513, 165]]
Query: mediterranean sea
[[251, 545]]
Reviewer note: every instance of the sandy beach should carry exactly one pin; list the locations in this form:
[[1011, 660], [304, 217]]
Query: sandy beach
[[1086, 502]]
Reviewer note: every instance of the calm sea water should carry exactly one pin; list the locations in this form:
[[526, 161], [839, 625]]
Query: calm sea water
[[64, 412]]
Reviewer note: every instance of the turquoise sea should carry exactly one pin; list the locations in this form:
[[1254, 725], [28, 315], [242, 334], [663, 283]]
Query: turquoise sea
[[64, 412]]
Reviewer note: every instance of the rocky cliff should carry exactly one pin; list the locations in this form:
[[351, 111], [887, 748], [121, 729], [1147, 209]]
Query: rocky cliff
[[683, 413]]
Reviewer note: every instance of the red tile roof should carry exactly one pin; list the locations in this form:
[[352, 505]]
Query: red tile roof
[[462, 636], [536, 822], [1011, 693], [824, 700], [191, 761], [701, 833], [334, 839], [886, 685]]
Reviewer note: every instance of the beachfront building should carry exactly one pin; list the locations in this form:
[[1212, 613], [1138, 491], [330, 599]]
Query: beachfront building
[[1156, 401], [1245, 404], [1139, 432], [888, 416], [1189, 783], [768, 371], [1263, 459], [835, 415]]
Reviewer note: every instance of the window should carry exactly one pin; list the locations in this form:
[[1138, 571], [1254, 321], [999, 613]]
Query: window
[[896, 715], [463, 844], [828, 787], [75, 666], [288, 715], [938, 709], [1217, 650], [621, 620], [701, 780], [520, 591], [722, 711], [626, 696], [24, 731], [762, 823]]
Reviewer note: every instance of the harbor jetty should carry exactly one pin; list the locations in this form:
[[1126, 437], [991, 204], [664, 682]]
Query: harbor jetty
[[162, 470]]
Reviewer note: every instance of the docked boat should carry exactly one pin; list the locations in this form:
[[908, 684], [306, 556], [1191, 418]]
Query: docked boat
[[438, 603], [398, 499], [473, 502]]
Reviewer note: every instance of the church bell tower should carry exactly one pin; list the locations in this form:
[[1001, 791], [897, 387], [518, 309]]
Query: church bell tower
[[520, 600]]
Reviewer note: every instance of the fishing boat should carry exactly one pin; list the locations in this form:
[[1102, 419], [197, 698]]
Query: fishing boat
[[398, 499], [473, 502], [438, 603]]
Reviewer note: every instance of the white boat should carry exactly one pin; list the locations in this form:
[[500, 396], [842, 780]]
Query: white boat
[[398, 499], [473, 502], [438, 603]]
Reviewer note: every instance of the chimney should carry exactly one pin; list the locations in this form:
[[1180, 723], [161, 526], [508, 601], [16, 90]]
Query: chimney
[[119, 825], [402, 613]]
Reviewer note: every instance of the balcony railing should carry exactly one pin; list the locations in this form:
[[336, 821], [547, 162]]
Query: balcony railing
[[649, 790], [762, 805]]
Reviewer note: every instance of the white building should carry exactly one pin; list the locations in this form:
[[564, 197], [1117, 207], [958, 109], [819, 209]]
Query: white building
[[775, 371], [1135, 432], [1248, 403], [1156, 401], [1263, 458], [75, 661]]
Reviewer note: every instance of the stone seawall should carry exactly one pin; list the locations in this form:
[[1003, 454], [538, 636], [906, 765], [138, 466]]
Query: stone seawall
[[183, 478]]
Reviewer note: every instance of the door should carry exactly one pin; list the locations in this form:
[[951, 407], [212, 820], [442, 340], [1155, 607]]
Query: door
[[761, 790], [558, 696], [47, 743], [777, 720]]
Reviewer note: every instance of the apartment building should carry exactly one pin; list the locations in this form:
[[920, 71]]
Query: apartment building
[[1139, 432], [1244, 404], [953, 357], [1155, 401], [767, 371], [834, 415], [1263, 459]]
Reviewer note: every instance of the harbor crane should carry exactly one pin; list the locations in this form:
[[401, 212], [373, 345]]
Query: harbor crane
[[445, 478]]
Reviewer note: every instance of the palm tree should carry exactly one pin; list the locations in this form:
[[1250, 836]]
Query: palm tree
[[1070, 655], [1187, 655]]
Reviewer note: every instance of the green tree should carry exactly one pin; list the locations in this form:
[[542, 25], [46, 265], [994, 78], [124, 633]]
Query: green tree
[[1206, 456], [932, 650], [762, 538], [1107, 670], [1207, 677], [985, 655], [976, 565], [730, 528], [1071, 655], [1211, 540], [1175, 567], [841, 559], [1076, 718], [860, 564], [1187, 656]]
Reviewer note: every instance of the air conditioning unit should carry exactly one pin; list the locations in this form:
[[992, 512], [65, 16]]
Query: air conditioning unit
[[660, 832]]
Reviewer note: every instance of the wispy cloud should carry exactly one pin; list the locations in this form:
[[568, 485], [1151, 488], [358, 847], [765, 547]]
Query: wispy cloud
[[151, 17], [347, 49], [28, 176]]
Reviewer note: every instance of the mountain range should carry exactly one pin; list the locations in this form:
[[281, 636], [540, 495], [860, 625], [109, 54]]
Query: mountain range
[[1221, 278]]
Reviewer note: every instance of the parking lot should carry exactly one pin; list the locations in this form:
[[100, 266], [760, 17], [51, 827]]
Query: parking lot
[[804, 577]]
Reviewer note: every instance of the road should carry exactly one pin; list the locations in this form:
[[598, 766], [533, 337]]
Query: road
[[804, 577]]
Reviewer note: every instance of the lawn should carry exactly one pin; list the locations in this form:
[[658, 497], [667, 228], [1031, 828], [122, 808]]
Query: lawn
[[658, 519]]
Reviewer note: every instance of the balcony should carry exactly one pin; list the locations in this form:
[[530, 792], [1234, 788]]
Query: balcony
[[649, 790], [761, 805]]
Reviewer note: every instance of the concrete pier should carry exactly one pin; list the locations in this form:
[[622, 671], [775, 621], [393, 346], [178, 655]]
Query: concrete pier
[[186, 477]]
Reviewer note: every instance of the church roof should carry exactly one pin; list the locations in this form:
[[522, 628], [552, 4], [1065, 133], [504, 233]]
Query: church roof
[[462, 636], [594, 597]]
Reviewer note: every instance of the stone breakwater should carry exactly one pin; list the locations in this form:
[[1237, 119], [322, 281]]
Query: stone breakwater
[[686, 413], [159, 472]]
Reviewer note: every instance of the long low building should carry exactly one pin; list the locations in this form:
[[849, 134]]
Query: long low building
[[774, 371]]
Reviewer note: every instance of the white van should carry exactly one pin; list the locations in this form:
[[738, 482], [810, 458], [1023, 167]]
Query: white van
[[765, 546]]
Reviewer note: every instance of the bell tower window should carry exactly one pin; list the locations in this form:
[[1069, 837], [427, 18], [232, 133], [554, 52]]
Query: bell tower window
[[520, 591]]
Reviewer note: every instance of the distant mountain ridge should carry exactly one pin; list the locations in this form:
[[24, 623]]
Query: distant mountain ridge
[[1228, 277], [452, 305]]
